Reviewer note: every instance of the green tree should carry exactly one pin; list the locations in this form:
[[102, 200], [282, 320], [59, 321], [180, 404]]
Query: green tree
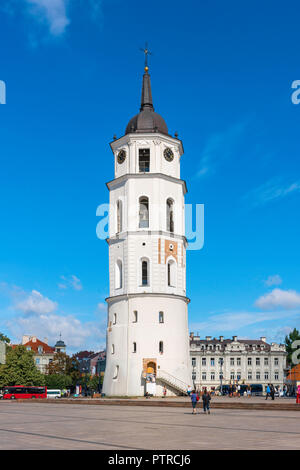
[[289, 339], [4, 338], [20, 368], [58, 381]]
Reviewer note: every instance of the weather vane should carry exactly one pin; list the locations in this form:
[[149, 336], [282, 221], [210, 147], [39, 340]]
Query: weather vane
[[146, 51]]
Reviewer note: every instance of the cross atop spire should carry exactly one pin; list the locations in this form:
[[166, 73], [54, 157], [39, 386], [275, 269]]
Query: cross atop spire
[[146, 52]]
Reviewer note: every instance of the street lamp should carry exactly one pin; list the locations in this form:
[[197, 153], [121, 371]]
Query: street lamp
[[221, 361]]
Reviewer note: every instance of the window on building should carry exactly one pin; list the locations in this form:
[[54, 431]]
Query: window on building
[[37, 360], [221, 377], [212, 361], [257, 361], [238, 361], [204, 361], [203, 375], [194, 376], [119, 216], [144, 160], [116, 373], [161, 317], [238, 375], [161, 347], [115, 319], [266, 375], [145, 280], [113, 349], [171, 267], [257, 375], [249, 361], [266, 361], [135, 316], [232, 376], [193, 361], [134, 347], [118, 275], [170, 215], [249, 375], [212, 376], [232, 361], [276, 375], [143, 212], [276, 361], [40, 349]]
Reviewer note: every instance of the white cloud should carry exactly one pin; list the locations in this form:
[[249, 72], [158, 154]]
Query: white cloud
[[279, 298], [72, 281], [36, 303], [272, 190], [53, 12], [273, 280]]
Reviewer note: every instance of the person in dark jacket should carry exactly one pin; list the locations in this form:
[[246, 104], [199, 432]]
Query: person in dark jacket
[[206, 399]]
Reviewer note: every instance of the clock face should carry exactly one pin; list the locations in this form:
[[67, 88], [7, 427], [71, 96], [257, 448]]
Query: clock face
[[168, 154], [121, 156]]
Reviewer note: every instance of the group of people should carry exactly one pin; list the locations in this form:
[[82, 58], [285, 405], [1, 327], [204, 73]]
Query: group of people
[[195, 397], [270, 391]]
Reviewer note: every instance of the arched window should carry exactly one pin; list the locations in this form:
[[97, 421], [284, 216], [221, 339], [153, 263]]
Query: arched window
[[113, 349], [170, 215], [135, 316], [161, 347], [118, 276], [143, 212], [119, 216], [145, 275], [161, 317], [115, 319], [116, 373], [171, 273]]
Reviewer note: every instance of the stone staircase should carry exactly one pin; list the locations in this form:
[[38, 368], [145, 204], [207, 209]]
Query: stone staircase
[[172, 381]]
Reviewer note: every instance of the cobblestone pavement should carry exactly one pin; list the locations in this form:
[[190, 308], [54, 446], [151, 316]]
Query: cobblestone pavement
[[66, 426]]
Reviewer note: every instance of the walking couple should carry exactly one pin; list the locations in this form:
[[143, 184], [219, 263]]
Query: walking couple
[[205, 400]]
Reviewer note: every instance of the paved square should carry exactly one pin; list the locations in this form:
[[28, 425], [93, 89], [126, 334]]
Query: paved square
[[67, 426]]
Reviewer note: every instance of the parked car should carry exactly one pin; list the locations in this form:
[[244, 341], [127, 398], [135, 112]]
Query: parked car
[[54, 393]]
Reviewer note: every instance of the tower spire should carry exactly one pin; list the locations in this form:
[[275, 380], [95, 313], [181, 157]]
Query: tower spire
[[146, 100]]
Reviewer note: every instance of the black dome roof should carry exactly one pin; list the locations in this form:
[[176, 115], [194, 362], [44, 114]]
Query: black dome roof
[[147, 120]]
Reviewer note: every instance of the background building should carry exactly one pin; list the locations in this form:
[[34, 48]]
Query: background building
[[236, 361], [2, 352]]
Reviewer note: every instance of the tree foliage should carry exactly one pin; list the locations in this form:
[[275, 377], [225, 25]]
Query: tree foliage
[[20, 368], [4, 338], [293, 336]]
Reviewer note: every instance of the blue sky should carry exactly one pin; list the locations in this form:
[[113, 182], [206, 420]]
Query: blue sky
[[221, 77]]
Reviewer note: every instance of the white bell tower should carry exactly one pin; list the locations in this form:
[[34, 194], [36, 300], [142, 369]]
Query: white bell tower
[[147, 330]]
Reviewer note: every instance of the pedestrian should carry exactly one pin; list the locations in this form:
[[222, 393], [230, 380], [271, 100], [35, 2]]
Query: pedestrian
[[272, 393], [206, 399], [298, 395], [189, 390], [164, 392], [194, 399], [239, 390], [268, 391], [248, 391]]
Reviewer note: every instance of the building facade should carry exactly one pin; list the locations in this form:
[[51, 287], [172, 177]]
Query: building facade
[[236, 361], [43, 353], [2, 352], [147, 327]]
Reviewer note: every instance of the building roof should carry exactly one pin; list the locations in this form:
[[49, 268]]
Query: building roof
[[34, 346], [259, 344], [147, 120]]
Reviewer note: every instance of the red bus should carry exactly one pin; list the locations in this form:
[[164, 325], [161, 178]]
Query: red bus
[[20, 391]]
